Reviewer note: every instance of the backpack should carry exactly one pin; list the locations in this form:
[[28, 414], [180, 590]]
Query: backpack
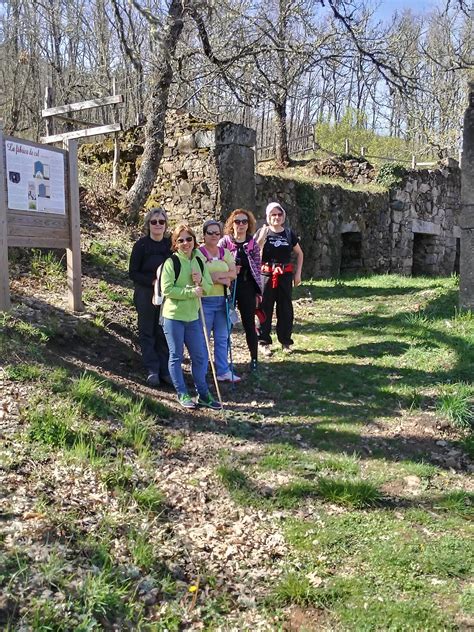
[[205, 252], [158, 297], [231, 245]]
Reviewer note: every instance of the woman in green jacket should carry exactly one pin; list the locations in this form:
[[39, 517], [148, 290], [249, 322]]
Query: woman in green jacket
[[184, 280]]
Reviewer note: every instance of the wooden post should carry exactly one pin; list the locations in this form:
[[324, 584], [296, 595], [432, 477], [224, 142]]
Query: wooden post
[[347, 147], [73, 253], [466, 279], [116, 163], [362, 151], [4, 278], [413, 162]]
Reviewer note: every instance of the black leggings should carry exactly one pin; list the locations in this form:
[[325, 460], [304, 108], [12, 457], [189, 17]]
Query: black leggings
[[281, 295], [245, 299]]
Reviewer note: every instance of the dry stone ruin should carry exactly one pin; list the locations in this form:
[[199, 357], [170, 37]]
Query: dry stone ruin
[[413, 228]]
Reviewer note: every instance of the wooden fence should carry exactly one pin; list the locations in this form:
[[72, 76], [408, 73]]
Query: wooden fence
[[301, 143], [305, 142]]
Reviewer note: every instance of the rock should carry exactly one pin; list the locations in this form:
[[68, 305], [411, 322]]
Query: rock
[[152, 597], [186, 144], [452, 463], [412, 481]]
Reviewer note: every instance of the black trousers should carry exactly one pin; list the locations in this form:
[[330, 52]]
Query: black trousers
[[152, 339], [245, 299], [281, 295]]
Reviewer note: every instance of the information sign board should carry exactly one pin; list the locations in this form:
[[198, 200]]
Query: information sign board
[[35, 178]]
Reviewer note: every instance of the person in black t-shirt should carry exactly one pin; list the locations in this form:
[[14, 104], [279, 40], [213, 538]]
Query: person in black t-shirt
[[277, 244], [148, 254]]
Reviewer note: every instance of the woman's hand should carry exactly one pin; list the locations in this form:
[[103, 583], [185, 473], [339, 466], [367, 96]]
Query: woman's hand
[[297, 280], [196, 277], [198, 291]]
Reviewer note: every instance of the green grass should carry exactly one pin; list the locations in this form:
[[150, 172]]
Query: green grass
[[456, 402], [23, 372], [350, 493], [379, 532], [111, 256], [53, 425], [141, 550], [150, 498], [46, 266]]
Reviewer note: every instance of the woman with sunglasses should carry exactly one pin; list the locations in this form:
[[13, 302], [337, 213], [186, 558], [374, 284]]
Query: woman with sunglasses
[[238, 230], [221, 266], [278, 244], [184, 280], [148, 253]]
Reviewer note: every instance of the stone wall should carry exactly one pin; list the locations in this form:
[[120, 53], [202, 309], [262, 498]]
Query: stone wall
[[428, 205], [412, 228], [206, 171]]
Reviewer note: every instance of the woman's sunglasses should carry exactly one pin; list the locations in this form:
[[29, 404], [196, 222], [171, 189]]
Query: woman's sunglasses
[[183, 240], [154, 222], [213, 232], [241, 221]]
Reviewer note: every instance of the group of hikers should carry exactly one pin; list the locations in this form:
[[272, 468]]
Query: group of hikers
[[186, 293]]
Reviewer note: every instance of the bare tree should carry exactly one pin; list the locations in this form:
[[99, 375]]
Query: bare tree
[[167, 31]]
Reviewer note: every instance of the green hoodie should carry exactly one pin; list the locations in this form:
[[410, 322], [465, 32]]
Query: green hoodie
[[181, 302]]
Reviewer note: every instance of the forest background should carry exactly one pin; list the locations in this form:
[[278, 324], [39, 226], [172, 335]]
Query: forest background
[[396, 85]]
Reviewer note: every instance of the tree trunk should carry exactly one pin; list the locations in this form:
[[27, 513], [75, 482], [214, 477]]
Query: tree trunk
[[155, 126], [282, 155]]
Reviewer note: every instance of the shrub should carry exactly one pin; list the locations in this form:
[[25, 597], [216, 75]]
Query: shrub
[[456, 402], [390, 174]]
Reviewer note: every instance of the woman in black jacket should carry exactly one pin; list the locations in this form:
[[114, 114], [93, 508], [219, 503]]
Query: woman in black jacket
[[148, 254]]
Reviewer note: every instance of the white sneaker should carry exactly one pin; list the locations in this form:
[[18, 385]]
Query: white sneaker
[[228, 376], [265, 350]]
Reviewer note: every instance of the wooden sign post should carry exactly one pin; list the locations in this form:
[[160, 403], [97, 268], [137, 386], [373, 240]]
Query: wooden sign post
[[39, 207], [4, 277], [73, 252]]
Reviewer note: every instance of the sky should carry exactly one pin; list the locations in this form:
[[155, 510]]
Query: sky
[[388, 7]]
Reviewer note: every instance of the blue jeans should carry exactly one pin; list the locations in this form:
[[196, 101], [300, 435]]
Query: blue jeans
[[216, 322], [179, 333]]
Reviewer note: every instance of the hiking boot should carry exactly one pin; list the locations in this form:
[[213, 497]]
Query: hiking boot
[[186, 401], [228, 376], [265, 350], [153, 379], [209, 402], [253, 366]]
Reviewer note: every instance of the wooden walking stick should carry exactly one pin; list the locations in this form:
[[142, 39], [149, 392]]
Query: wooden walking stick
[[209, 353]]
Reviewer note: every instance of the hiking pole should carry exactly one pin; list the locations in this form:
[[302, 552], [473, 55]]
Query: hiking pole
[[229, 344], [209, 352]]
